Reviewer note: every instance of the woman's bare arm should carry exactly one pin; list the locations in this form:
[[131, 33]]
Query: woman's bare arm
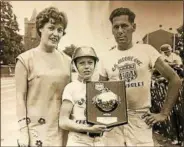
[[21, 93]]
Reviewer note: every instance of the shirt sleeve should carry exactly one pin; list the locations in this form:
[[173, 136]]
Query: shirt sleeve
[[177, 59], [67, 94], [153, 55], [24, 58], [102, 67]]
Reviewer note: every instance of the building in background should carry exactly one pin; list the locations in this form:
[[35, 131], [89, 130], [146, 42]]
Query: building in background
[[31, 38], [159, 37]]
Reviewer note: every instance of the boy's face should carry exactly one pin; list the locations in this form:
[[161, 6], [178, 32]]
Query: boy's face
[[85, 66]]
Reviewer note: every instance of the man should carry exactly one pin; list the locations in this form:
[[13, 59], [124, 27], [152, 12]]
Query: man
[[170, 57], [133, 63]]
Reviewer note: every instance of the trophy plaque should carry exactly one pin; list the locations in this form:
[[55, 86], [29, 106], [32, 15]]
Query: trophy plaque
[[106, 103]]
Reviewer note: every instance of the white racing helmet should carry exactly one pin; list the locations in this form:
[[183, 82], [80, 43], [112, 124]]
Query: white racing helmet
[[84, 51]]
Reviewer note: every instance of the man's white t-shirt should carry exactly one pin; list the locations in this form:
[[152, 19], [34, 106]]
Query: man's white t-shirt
[[76, 93], [134, 66]]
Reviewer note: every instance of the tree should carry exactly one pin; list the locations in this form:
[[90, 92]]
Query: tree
[[11, 42], [69, 50]]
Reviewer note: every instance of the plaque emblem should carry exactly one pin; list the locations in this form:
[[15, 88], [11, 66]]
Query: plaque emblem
[[106, 101], [128, 72]]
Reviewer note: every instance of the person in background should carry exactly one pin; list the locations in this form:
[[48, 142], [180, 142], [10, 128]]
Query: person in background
[[169, 56], [133, 63], [41, 74]]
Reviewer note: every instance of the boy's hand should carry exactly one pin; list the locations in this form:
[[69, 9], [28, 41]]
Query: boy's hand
[[97, 128], [108, 129]]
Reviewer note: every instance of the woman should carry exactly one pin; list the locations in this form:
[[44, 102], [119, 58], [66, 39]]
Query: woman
[[41, 74], [73, 109]]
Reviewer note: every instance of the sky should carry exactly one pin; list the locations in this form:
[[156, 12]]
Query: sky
[[88, 21]]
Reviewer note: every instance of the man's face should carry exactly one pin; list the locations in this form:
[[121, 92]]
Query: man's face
[[122, 30], [167, 53]]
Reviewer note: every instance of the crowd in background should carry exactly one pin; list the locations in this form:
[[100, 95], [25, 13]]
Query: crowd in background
[[173, 128]]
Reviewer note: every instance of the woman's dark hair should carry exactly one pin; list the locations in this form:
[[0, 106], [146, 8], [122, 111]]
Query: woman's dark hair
[[50, 12]]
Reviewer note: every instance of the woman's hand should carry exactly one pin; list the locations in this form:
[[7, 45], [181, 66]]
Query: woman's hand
[[24, 138]]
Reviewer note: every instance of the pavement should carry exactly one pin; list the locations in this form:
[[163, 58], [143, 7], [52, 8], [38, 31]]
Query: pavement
[[9, 124]]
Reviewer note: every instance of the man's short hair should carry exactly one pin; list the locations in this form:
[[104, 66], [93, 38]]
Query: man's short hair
[[122, 11]]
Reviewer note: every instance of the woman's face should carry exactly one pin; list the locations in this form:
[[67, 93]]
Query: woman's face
[[51, 34]]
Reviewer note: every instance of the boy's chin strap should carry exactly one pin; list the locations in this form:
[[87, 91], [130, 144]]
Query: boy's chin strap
[[83, 80]]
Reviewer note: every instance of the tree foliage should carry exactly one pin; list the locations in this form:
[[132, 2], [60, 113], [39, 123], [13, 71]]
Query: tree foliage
[[11, 42], [69, 50]]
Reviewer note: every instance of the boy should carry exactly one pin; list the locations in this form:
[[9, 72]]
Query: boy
[[73, 109]]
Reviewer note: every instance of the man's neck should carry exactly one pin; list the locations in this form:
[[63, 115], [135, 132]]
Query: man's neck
[[125, 47]]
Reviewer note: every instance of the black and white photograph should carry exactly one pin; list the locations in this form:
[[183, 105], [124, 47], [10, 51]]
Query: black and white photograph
[[92, 73]]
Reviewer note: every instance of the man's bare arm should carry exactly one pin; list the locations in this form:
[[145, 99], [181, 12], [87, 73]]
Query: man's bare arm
[[174, 85], [172, 94]]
